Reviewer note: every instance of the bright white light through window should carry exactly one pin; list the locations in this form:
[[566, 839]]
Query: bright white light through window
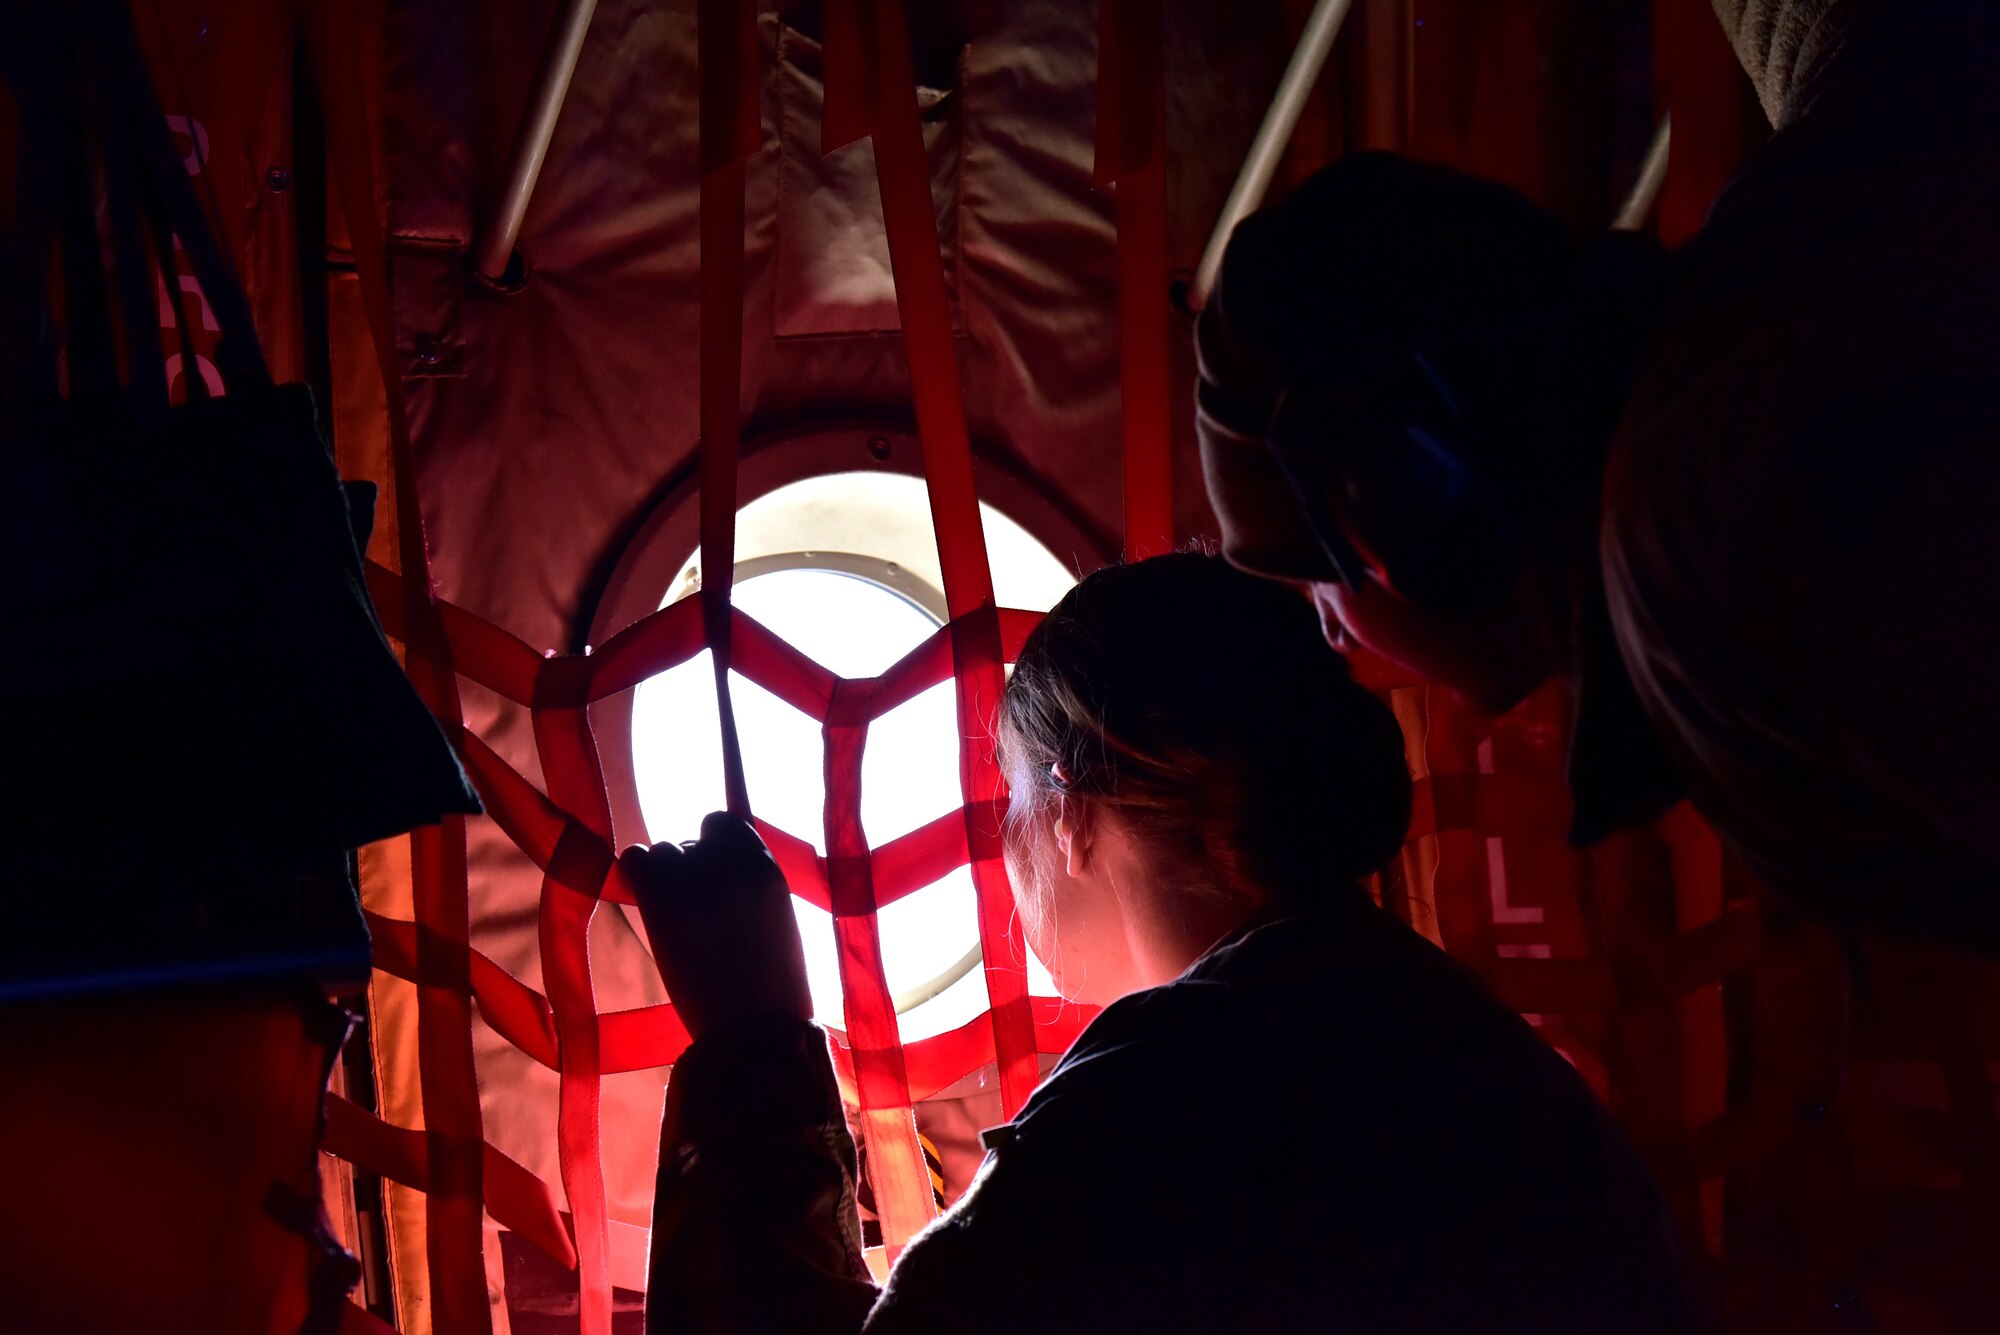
[[856, 627]]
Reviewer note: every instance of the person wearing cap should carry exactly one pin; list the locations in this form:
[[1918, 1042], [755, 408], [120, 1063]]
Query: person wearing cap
[[1737, 497]]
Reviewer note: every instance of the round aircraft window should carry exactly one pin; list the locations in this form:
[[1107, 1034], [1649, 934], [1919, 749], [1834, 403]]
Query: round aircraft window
[[845, 568]]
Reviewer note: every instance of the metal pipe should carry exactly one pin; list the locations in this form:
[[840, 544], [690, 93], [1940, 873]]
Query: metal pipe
[[495, 246], [912, 997], [1315, 44], [1645, 194]]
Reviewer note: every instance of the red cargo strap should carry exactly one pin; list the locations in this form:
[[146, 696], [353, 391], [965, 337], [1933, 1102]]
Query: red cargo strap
[[729, 133], [871, 88], [454, 1241], [1131, 157]]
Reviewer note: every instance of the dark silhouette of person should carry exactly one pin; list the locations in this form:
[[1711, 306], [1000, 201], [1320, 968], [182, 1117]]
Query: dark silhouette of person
[[1739, 497], [1294, 1113]]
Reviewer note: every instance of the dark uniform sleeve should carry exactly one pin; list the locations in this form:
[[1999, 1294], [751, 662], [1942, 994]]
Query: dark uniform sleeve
[[754, 1222]]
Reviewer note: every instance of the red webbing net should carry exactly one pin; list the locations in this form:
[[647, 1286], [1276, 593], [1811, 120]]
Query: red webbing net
[[1621, 956], [455, 1150], [565, 829], [1501, 813]]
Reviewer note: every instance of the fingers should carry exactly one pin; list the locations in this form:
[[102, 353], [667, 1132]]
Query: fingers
[[719, 827], [640, 858], [728, 856], [736, 839], [650, 869]]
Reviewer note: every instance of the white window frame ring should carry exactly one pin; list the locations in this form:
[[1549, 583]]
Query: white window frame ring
[[656, 561]]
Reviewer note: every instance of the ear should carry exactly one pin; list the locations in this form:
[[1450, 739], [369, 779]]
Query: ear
[[1073, 834]]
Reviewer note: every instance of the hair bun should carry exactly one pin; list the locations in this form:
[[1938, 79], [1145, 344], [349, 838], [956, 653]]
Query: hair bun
[[1205, 705]]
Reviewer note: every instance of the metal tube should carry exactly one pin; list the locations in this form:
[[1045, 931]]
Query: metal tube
[[1315, 44], [1645, 194], [912, 997], [495, 245]]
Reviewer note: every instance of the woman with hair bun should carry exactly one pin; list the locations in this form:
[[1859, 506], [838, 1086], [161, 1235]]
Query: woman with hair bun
[[1293, 1114]]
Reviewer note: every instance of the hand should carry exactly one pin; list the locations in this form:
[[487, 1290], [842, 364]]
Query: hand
[[719, 917]]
